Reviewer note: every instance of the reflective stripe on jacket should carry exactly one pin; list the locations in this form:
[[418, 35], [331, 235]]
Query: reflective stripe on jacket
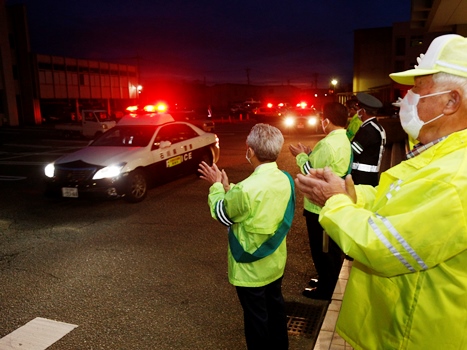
[[408, 236], [256, 206]]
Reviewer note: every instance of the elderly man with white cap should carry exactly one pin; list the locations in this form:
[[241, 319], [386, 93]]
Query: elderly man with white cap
[[408, 236]]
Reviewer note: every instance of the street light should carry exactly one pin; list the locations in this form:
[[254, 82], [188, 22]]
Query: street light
[[334, 84]]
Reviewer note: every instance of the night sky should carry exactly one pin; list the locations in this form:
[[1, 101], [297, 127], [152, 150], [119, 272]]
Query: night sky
[[277, 42]]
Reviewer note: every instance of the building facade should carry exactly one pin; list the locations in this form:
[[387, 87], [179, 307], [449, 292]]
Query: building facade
[[381, 51], [37, 88]]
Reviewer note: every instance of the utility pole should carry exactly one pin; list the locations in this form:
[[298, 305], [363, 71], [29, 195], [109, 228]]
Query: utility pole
[[315, 82], [138, 75], [248, 75]]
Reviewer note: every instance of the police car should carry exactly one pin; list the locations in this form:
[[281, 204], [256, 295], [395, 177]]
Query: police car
[[141, 151], [302, 118]]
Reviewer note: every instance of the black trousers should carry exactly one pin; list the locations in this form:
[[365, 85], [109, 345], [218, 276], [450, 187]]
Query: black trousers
[[264, 316], [328, 264], [365, 178]]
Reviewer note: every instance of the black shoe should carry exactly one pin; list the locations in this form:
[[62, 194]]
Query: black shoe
[[313, 282], [314, 293]]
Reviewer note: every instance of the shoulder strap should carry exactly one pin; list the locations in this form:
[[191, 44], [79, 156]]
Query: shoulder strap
[[271, 245], [349, 170]]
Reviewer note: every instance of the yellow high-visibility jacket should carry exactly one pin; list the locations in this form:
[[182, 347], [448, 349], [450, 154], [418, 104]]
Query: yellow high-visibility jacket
[[256, 206], [408, 284], [333, 151], [354, 124]]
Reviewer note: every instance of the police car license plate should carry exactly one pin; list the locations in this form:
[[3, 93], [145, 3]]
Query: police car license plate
[[174, 161], [70, 192]]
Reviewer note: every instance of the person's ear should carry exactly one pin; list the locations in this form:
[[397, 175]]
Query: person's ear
[[453, 103]]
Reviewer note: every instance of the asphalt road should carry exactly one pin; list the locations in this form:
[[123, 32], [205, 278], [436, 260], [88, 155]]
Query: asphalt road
[[151, 275]]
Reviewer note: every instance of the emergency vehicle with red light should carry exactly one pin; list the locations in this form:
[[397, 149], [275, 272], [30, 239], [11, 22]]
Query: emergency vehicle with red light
[[141, 151], [303, 118], [202, 120]]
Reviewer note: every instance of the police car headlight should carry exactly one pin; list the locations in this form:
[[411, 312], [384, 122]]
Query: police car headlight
[[49, 170], [109, 172], [289, 121], [312, 121]]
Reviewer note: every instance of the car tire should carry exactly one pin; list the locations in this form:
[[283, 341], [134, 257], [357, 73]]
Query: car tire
[[137, 187], [50, 192], [207, 158]]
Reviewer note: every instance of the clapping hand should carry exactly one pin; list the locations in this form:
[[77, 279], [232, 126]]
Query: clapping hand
[[322, 184], [213, 174], [300, 148]]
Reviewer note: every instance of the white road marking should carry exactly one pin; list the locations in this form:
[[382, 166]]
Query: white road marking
[[21, 162], [37, 334], [12, 178]]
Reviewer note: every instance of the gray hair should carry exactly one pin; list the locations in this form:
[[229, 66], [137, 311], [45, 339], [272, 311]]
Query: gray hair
[[266, 141], [448, 80]]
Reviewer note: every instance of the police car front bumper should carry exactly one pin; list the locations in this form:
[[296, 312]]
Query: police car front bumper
[[103, 188]]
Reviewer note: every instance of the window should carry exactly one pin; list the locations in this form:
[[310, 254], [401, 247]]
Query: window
[[126, 136], [90, 117], [400, 47], [416, 40], [175, 133], [399, 66]]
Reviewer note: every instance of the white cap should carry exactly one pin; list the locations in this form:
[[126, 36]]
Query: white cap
[[447, 53]]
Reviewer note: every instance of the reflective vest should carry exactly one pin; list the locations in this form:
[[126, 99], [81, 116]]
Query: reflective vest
[[408, 237], [368, 146], [255, 208]]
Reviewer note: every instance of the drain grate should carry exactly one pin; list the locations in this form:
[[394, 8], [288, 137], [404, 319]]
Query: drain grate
[[305, 319]]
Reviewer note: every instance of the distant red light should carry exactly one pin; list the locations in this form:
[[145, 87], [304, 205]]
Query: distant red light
[[132, 108], [160, 107], [149, 108]]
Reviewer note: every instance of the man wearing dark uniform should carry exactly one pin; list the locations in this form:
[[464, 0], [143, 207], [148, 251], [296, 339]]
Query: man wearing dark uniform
[[368, 143]]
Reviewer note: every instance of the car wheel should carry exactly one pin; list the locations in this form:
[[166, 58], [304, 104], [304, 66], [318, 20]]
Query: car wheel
[[137, 187], [207, 158], [50, 192]]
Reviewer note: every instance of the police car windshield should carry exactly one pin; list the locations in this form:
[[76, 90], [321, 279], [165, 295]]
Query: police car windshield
[[126, 136], [303, 112]]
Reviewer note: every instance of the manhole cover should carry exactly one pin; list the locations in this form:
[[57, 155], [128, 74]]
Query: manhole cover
[[305, 319]]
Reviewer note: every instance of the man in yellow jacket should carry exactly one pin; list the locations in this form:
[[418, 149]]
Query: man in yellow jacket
[[356, 119], [335, 152], [408, 236], [259, 212]]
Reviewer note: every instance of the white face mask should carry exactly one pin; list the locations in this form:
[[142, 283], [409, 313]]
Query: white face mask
[[322, 125], [360, 113], [246, 156], [410, 121]]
